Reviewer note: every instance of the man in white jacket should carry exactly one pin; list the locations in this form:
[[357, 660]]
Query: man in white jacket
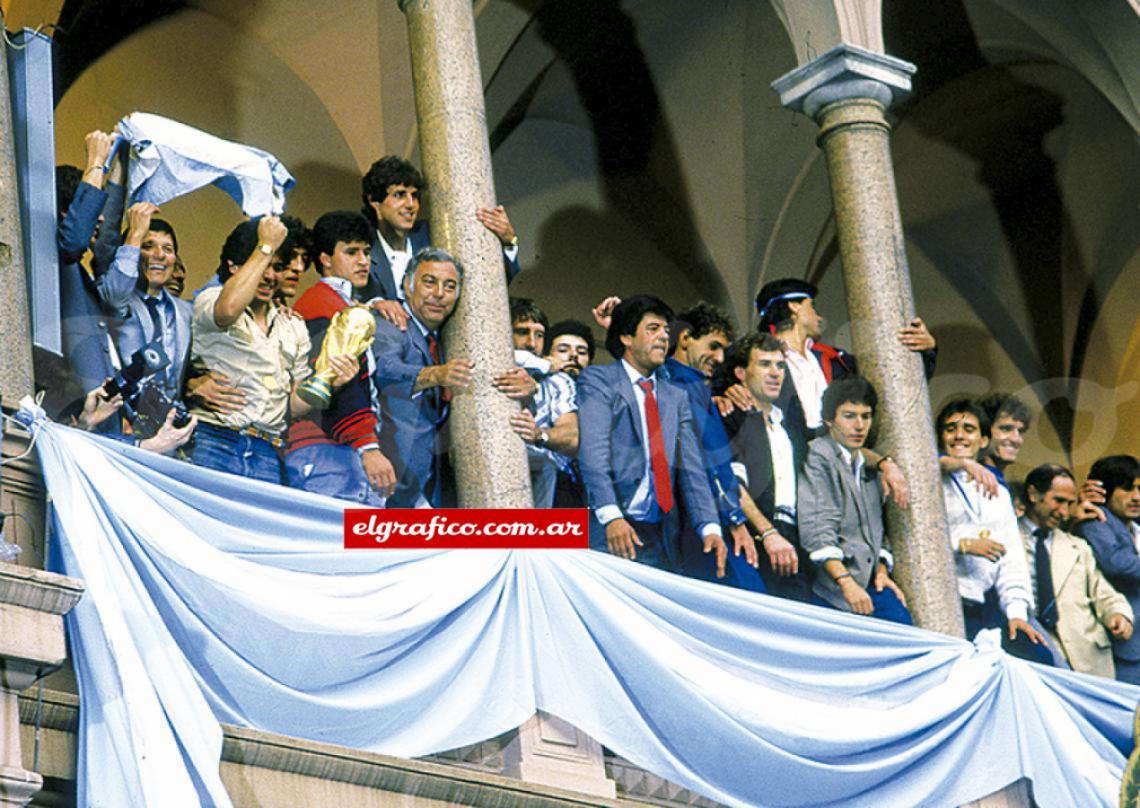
[[993, 580]]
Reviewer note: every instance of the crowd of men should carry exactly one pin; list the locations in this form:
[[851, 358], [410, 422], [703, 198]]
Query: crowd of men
[[748, 460]]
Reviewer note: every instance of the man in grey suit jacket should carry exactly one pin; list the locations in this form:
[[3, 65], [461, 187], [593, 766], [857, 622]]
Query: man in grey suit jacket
[[135, 288], [1114, 542], [637, 448], [840, 508]]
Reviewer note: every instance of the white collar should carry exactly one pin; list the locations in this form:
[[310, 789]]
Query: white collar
[[635, 375], [342, 286]]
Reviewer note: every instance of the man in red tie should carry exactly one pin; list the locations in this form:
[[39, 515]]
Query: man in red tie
[[638, 451]]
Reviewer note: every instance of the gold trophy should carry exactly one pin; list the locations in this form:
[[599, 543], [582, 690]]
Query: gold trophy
[[349, 334]]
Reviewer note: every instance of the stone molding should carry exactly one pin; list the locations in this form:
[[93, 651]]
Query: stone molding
[[845, 71], [38, 590]]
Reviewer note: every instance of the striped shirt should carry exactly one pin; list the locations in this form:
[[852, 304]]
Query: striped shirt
[[557, 395]]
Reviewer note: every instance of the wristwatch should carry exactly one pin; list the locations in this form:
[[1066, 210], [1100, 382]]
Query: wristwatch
[[265, 249], [543, 438]]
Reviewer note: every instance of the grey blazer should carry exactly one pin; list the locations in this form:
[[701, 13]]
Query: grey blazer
[[840, 516]]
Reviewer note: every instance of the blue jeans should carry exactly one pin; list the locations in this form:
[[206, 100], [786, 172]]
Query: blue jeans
[[332, 469], [226, 450], [886, 604]]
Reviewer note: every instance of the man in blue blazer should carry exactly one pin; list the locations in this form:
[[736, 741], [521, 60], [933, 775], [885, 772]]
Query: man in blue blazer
[[390, 192], [415, 384], [135, 289], [83, 204], [1114, 543], [638, 450]]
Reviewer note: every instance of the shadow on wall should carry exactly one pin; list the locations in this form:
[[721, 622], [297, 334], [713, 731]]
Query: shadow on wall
[[602, 267], [638, 160], [1000, 123]]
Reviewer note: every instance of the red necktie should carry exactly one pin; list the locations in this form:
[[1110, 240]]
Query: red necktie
[[662, 485], [433, 349]]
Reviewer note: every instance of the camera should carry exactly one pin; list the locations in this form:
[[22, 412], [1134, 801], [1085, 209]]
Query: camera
[[146, 403], [146, 361]]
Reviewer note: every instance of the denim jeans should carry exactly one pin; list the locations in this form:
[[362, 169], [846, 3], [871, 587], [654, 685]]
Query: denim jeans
[[332, 469], [244, 455]]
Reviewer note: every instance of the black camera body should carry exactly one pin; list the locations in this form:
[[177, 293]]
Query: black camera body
[[146, 361], [145, 401]]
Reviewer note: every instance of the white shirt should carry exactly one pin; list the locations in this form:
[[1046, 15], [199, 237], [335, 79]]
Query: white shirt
[[968, 513], [398, 260], [783, 465], [809, 380], [1027, 527]]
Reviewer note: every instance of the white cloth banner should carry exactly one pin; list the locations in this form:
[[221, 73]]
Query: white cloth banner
[[211, 598], [170, 159]]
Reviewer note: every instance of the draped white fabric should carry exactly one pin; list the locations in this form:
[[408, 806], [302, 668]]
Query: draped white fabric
[[213, 598], [170, 159]]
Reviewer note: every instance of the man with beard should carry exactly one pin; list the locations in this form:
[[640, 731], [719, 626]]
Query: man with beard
[[551, 431]]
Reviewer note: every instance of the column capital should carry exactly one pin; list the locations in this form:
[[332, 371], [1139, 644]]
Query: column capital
[[845, 71]]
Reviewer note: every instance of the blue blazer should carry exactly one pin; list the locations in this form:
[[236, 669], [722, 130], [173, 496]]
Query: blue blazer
[[611, 454], [380, 280], [1116, 555], [412, 425], [84, 319]]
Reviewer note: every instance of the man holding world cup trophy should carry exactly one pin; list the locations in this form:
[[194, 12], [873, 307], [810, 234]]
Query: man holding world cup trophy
[[335, 450]]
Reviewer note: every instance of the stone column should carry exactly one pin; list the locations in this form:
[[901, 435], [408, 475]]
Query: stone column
[[32, 605], [490, 462], [15, 335], [847, 92]]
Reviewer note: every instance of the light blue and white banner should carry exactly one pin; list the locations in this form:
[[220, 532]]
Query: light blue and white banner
[[170, 159], [212, 598]]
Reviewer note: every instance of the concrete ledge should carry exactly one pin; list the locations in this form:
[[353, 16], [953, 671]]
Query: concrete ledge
[[426, 781], [38, 590]]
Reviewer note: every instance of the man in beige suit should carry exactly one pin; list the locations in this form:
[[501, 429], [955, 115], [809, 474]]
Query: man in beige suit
[[1075, 602]]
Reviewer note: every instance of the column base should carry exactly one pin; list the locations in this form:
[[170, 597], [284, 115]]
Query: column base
[[18, 786], [553, 752]]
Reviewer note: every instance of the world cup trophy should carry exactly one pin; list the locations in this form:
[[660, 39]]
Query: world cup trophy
[[349, 334]]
